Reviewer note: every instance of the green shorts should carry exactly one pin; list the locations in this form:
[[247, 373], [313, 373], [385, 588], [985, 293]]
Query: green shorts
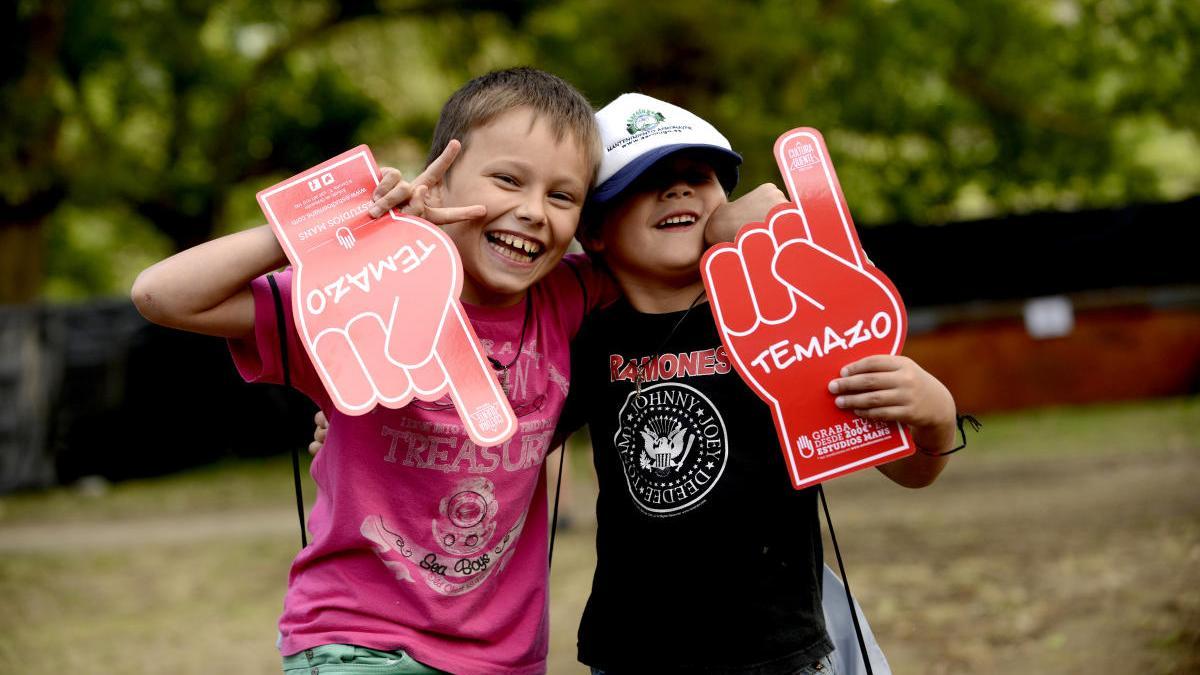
[[352, 660]]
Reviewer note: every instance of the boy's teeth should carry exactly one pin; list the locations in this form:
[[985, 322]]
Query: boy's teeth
[[517, 248], [513, 255], [676, 220]]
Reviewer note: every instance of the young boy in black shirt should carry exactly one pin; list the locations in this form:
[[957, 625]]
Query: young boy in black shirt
[[707, 559]]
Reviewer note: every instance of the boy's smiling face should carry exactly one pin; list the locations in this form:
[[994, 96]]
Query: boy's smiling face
[[654, 231], [533, 186]]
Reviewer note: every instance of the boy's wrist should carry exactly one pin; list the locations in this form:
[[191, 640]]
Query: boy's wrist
[[929, 444], [936, 437]]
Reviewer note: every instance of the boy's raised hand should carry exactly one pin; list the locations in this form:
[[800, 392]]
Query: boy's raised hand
[[796, 300], [376, 300], [755, 205], [393, 192]]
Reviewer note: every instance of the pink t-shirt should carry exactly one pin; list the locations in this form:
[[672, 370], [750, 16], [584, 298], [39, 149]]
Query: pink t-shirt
[[422, 540]]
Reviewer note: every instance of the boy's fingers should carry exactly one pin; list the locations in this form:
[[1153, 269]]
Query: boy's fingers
[[754, 206], [416, 204], [869, 400], [389, 178], [767, 195], [454, 214], [889, 413], [433, 174], [871, 364], [400, 193], [873, 381]]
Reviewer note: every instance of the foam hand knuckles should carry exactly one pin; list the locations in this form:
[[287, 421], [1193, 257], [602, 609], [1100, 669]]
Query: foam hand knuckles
[[376, 299], [796, 300]]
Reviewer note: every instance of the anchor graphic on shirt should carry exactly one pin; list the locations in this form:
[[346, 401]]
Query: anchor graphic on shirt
[[463, 532]]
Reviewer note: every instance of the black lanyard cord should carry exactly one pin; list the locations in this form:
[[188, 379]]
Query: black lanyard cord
[[287, 381], [862, 644], [562, 452]]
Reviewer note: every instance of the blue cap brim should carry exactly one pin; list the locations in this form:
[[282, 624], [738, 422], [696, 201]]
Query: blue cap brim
[[726, 168]]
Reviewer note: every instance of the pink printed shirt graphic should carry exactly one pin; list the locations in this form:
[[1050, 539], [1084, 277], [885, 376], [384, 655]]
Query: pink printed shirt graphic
[[422, 540]]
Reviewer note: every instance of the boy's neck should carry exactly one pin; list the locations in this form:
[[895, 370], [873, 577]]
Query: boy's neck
[[656, 296]]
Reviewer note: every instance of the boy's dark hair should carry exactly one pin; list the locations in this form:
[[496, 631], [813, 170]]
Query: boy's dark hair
[[591, 220], [482, 99]]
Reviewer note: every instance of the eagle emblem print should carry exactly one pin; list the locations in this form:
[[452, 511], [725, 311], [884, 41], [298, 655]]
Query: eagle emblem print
[[673, 447]]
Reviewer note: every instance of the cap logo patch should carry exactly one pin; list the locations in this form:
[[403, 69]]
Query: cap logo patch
[[643, 120]]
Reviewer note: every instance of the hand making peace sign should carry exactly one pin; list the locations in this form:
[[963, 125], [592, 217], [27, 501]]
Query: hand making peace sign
[[376, 298]]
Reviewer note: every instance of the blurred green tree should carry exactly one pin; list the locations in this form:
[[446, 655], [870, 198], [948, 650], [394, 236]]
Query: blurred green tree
[[933, 109], [136, 121], [136, 128]]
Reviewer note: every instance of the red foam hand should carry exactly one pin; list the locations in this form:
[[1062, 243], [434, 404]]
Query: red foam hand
[[376, 300], [795, 300]]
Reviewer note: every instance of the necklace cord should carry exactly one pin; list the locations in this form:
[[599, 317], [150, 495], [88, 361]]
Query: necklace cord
[[639, 371], [503, 367]]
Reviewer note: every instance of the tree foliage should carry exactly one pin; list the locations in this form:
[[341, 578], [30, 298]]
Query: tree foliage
[[933, 109], [139, 122], [155, 113]]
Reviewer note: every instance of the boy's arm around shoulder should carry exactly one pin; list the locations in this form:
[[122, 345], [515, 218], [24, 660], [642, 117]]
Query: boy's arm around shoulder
[[597, 288], [751, 207], [206, 288], [896, 389]]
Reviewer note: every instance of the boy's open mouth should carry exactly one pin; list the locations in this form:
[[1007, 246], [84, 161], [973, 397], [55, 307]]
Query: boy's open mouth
[[514, 247], [681, 220]]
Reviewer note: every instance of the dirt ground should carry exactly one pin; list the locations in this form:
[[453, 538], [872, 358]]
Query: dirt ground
[[1012, 563]]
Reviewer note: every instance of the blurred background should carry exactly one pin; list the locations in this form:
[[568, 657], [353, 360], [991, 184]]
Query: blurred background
[[1027, 172]]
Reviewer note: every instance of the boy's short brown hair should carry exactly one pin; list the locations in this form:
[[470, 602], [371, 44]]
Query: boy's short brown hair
[[479, 101]]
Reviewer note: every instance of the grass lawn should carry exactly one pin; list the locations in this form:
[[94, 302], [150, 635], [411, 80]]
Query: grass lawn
[[1060, 541]]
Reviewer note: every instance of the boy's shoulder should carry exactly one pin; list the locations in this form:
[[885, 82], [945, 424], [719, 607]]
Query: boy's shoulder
[[575, 288], [578, 281], [574, 268]]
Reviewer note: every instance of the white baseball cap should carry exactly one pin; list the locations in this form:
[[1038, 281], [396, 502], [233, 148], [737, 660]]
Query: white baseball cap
[[638, 130]]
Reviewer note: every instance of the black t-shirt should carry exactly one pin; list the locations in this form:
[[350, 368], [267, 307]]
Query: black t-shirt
[[707, 559]]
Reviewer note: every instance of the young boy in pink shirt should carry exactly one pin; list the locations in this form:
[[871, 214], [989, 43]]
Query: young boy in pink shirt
[[428, 552]]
